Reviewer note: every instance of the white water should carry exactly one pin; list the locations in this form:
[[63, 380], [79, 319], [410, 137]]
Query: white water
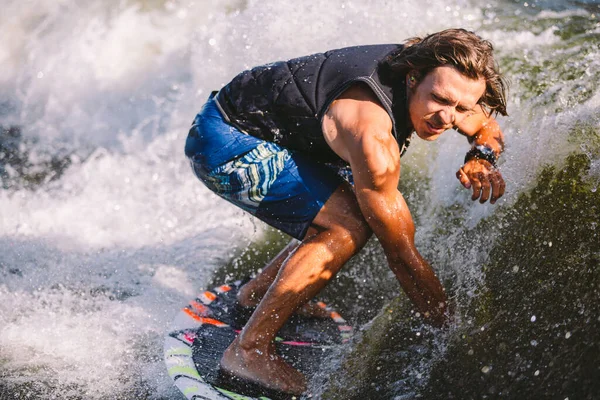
[[94, 266]]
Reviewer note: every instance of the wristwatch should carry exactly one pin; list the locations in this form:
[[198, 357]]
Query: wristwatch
[[481, 152]]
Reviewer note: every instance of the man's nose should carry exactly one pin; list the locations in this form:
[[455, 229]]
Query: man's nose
[[448, 116]]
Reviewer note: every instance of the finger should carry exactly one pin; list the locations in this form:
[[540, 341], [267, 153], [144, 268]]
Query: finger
[[476, 188], [502, 186], [463, 178], [485, 189], [496, 181]]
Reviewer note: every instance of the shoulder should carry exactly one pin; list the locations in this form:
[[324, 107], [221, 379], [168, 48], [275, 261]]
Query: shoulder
[[356, 126], [359, 108]]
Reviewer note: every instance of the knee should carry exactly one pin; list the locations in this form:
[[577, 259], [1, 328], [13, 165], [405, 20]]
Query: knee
[[361, 234], [355, 233], [342, 220]]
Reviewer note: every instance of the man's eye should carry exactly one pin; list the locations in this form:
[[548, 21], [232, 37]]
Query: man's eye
[[439, 99], [464, 110]]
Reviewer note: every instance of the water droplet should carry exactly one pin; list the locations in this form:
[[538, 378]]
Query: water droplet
[[534, 342], [486, 369], [536, 373], [212, 41], [567, 335], [533, 318]]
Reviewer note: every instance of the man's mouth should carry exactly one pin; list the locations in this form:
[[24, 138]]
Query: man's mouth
[[434, 128]]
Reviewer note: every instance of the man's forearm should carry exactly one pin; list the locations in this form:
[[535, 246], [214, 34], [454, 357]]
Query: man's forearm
[[420, 284], [392, 223], [490, 135], [480, 169]]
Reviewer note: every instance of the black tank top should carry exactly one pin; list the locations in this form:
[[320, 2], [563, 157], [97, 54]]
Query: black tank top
[[284, 102]]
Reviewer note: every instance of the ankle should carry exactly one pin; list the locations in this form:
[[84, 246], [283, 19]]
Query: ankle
[[251, 348], [245, 296], [249, 295]]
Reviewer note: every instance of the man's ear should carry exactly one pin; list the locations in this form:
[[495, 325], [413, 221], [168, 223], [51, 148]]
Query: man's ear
[[412, 79]]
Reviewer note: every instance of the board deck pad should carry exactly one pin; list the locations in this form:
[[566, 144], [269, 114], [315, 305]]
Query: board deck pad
[[209, 323]]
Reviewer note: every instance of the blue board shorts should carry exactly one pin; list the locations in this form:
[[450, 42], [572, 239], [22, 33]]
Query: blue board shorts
[[283, 188]]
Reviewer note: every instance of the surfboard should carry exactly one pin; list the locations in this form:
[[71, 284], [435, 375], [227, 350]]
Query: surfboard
[[205, 327]]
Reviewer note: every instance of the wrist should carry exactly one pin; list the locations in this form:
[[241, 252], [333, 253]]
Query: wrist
[[482, 152]]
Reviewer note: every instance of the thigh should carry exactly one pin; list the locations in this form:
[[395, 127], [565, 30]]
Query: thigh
[[296, 192], [341, 213], [284, 189], [212, 141]]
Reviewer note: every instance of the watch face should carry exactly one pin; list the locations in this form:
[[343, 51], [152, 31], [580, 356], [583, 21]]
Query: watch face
[[486, 150], [481, 152]]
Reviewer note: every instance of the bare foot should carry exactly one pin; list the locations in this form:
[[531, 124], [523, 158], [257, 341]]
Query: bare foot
[[263, 367], [248, 298], [312, 309]]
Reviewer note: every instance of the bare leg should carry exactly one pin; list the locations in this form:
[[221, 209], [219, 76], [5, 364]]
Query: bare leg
[[253, 291], [339, 232]]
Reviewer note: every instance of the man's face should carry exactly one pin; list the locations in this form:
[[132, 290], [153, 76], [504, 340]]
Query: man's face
[[442, 100]]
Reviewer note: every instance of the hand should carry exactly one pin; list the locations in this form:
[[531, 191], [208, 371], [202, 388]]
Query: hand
[[438, 316], [483, 178]]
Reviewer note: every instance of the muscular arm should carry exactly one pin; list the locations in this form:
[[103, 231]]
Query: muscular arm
[[479, 174], [359, 130]]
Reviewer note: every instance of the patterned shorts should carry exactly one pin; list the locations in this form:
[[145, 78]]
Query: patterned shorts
[[283, 188]]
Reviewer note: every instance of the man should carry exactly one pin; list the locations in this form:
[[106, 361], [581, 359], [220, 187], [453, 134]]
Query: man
[[272, 140]]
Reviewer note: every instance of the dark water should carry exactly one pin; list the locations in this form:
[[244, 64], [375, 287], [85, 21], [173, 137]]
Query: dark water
[[528, 324]]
